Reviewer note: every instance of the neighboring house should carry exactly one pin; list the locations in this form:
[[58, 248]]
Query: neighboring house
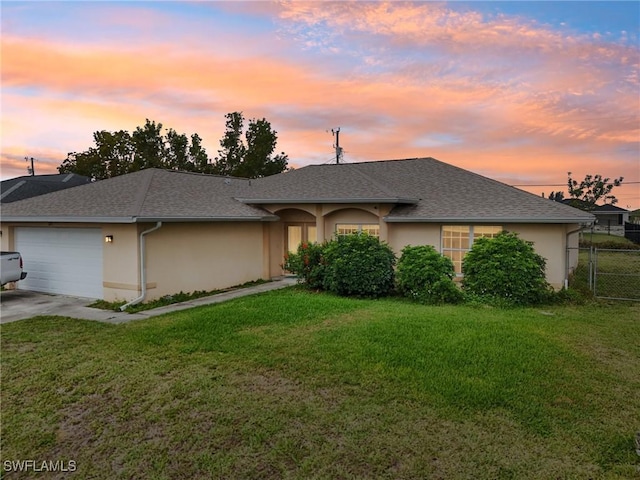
[[157, 232], [607, 216], [33, 185], [610, 216]]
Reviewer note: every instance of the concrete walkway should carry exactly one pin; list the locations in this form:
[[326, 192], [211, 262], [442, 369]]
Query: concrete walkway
[[19, 304]]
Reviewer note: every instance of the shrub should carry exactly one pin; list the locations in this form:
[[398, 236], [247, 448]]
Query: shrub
[[427, 276], [610, 245], [307, 264], [359, 265], [506, 270]]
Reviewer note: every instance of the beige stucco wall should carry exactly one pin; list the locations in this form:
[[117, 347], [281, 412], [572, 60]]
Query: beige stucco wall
[[121, 277], [207, 256], [203, 256], [403, 234], [180, 256], [549, 242]]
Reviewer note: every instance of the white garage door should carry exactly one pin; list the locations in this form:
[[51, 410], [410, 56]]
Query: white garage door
[[66, 261]]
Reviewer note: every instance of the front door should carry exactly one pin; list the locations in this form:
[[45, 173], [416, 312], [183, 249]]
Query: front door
[[299, 232]]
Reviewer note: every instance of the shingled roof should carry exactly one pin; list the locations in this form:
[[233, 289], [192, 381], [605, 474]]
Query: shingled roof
[[421, 190], [144, 196], [29, 186]]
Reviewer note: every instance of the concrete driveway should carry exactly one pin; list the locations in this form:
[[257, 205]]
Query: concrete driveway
[[23, 304]]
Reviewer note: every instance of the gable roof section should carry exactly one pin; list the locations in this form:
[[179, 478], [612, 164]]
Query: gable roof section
[[144, 196], [29, 186], [343, 183], [423, 189]]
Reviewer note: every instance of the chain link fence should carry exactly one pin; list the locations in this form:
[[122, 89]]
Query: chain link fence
[[608, 273]]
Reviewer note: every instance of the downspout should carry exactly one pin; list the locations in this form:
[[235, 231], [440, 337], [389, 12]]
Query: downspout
[[143, 268]]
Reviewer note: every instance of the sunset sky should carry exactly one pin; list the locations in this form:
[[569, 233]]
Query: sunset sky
[[522, 92]]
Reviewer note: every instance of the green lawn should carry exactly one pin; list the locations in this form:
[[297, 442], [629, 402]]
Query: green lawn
[[291, 384]]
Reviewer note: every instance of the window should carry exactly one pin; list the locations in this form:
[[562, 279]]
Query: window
[[348, 228], [457, 240]]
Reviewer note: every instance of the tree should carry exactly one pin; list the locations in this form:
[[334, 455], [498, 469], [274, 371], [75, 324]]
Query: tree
[[253, 157], [233, 150], [586, 194], [556, 196], [111, 156], [119, 152]]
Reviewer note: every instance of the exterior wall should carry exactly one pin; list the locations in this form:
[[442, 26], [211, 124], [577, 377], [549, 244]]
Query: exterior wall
[[347, 215], [121, 270], [550, 241], [6, 239], [203, 256], [207, 256], [180, 256], [276, 248], [403, 234]]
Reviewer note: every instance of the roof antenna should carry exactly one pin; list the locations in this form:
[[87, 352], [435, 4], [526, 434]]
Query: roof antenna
[[336, 133], [31, 170]]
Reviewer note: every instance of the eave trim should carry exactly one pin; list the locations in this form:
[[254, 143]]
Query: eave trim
[[131, 220], [289, 201], [398, 219]]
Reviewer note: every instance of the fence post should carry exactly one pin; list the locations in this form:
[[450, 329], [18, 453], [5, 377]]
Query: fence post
[[595, 271], [590, 273]]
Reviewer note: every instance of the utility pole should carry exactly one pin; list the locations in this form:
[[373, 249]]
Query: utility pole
[[31, 170], [336, 133]]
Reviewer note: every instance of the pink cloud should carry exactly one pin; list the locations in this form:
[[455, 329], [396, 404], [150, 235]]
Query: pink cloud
[[570, 107]]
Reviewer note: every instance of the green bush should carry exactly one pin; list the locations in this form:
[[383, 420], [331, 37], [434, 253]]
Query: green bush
[[359, 265], [426, 276], [610, 245], [506, 270], [307, 264]]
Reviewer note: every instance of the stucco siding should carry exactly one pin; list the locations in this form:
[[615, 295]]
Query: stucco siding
[[549, 241], [203, 256], [121, 270], [348, 216], [403, 234]]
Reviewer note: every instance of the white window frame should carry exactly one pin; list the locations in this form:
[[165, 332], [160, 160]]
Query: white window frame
[[372, 229], [473, 234]]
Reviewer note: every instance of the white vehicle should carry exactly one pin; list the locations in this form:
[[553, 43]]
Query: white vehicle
[[11, 267]]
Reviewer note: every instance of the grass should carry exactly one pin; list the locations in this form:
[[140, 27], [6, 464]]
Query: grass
[[291, 384]]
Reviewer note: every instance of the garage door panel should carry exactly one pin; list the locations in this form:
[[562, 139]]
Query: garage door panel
[[61, 260]]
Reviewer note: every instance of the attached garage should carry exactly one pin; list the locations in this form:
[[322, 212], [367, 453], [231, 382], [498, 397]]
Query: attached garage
[[65, 261]]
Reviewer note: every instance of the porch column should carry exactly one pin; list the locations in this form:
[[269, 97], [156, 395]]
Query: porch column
[[319, 224]]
